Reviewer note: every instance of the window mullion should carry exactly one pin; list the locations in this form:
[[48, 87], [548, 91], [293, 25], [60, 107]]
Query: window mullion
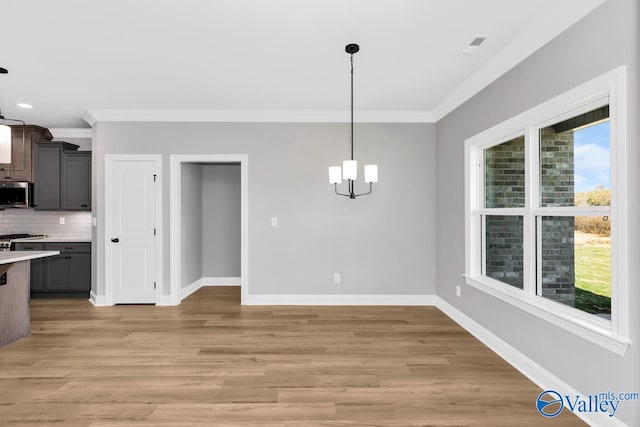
[[531, 202]]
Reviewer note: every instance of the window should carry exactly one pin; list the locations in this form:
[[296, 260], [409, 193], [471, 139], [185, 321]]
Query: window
[[545, 221]]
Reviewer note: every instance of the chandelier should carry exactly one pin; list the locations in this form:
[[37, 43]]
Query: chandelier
[[349, 169]]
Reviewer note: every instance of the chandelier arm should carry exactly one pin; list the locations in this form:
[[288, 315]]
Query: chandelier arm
[[340, 194], [367, 193]]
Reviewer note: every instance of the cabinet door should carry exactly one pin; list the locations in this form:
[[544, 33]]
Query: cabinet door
[[80, 272], [47, 178], [76, 181], [37, 280], [37, 265], [58, 272]]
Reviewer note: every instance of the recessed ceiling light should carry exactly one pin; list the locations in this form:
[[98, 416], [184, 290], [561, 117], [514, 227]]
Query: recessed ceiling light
[[23, 105]]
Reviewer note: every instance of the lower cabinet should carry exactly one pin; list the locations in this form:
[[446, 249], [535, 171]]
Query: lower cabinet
[[65, 275]]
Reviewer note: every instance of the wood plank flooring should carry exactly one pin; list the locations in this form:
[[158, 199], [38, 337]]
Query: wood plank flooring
[[212, 362]]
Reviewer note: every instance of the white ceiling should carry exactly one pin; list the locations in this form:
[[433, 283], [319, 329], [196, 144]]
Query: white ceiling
[[69, 56]]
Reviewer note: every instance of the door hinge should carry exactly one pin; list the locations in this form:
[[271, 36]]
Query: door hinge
[[154, 285], [154, 231], [154, 177]]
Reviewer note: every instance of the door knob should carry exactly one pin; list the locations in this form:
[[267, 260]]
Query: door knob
[[115, 240]]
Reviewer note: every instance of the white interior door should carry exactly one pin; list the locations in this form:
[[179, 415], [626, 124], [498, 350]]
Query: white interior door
[[132, 239]]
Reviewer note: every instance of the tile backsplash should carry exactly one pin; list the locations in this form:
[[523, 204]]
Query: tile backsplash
[[77, 224]]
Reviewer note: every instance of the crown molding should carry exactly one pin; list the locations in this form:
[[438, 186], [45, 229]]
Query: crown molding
[[88, 117], [259, 116], [71, 132], [529, 41]]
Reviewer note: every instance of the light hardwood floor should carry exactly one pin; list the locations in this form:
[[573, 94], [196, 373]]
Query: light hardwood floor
[[211, 362]]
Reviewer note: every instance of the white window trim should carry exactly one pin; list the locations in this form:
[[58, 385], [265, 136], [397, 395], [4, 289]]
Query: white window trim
[[614, 334]]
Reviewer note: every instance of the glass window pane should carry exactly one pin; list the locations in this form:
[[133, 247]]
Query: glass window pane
[[504, 174], [503, 256], [576, 262], [575, 165]]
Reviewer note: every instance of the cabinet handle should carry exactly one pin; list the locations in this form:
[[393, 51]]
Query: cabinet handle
[[67, 257], [69, 249], [115, 240]]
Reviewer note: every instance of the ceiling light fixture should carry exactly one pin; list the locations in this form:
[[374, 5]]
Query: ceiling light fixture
[[24, 105], [349, 170], [5, 134]]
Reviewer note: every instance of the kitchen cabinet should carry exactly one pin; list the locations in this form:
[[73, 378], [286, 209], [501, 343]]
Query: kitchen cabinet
[[37, 265], [62, 177], [64, 275], [76, 181], [21, 169]]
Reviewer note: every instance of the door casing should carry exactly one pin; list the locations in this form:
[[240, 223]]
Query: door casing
[[175, 250]]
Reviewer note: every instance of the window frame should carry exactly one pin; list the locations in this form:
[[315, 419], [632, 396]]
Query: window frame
[[610, 89]]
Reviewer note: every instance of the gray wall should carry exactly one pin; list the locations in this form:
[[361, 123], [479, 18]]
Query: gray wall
[[191, 224], [603, 40], [221, 220], [381, 244]]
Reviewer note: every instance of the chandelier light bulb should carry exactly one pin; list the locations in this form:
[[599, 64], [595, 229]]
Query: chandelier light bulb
[[370, 173], [5, 144], [350, 170], [335, 175]]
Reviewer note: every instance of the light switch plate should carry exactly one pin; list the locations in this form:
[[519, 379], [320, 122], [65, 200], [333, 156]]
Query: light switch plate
[[61, 220], [274, 221]]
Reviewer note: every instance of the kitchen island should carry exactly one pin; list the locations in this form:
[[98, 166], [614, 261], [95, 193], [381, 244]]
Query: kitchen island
[[14, 293]]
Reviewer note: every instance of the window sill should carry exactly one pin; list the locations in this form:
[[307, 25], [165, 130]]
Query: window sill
[[584, 325]]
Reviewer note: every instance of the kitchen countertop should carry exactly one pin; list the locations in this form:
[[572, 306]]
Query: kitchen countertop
[[16, 256], [52, 239]]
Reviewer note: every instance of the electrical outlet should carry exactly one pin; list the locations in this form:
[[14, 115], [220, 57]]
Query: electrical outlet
[[274, 221], [336, 277], [458, 293], [94, 221], [61, 220]]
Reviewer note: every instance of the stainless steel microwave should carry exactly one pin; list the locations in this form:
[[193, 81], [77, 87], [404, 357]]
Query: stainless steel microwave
[[16, 194]]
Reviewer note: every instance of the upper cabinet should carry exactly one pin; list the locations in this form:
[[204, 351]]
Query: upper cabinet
[[23, 138], [62, 177], [76, 181]]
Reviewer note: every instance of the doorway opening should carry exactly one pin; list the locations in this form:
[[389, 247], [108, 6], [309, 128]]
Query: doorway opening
[[208, 223]]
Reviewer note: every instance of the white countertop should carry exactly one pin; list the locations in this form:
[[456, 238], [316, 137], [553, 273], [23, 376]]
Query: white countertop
[[15, 256], [52, 239]]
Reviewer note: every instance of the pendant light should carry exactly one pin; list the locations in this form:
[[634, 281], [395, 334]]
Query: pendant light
[[349, 169], [5, 133]]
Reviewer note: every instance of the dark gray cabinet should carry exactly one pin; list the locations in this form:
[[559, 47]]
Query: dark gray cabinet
[[76, 181], [62, 177], [64, 275]]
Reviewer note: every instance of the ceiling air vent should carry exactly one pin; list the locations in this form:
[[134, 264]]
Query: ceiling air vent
[[475, 44]]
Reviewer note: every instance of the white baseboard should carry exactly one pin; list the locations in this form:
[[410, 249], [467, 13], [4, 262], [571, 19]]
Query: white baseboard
[[420, 300], [185, 292], [536, 373], [207, 281], [167, 300], [98, 300], [220, 281]]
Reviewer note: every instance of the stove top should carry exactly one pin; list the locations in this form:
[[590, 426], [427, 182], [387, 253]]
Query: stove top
[[14, 236], [5, 239]]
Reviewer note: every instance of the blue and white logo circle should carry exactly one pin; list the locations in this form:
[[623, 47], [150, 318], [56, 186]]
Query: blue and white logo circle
[[549, 403]]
